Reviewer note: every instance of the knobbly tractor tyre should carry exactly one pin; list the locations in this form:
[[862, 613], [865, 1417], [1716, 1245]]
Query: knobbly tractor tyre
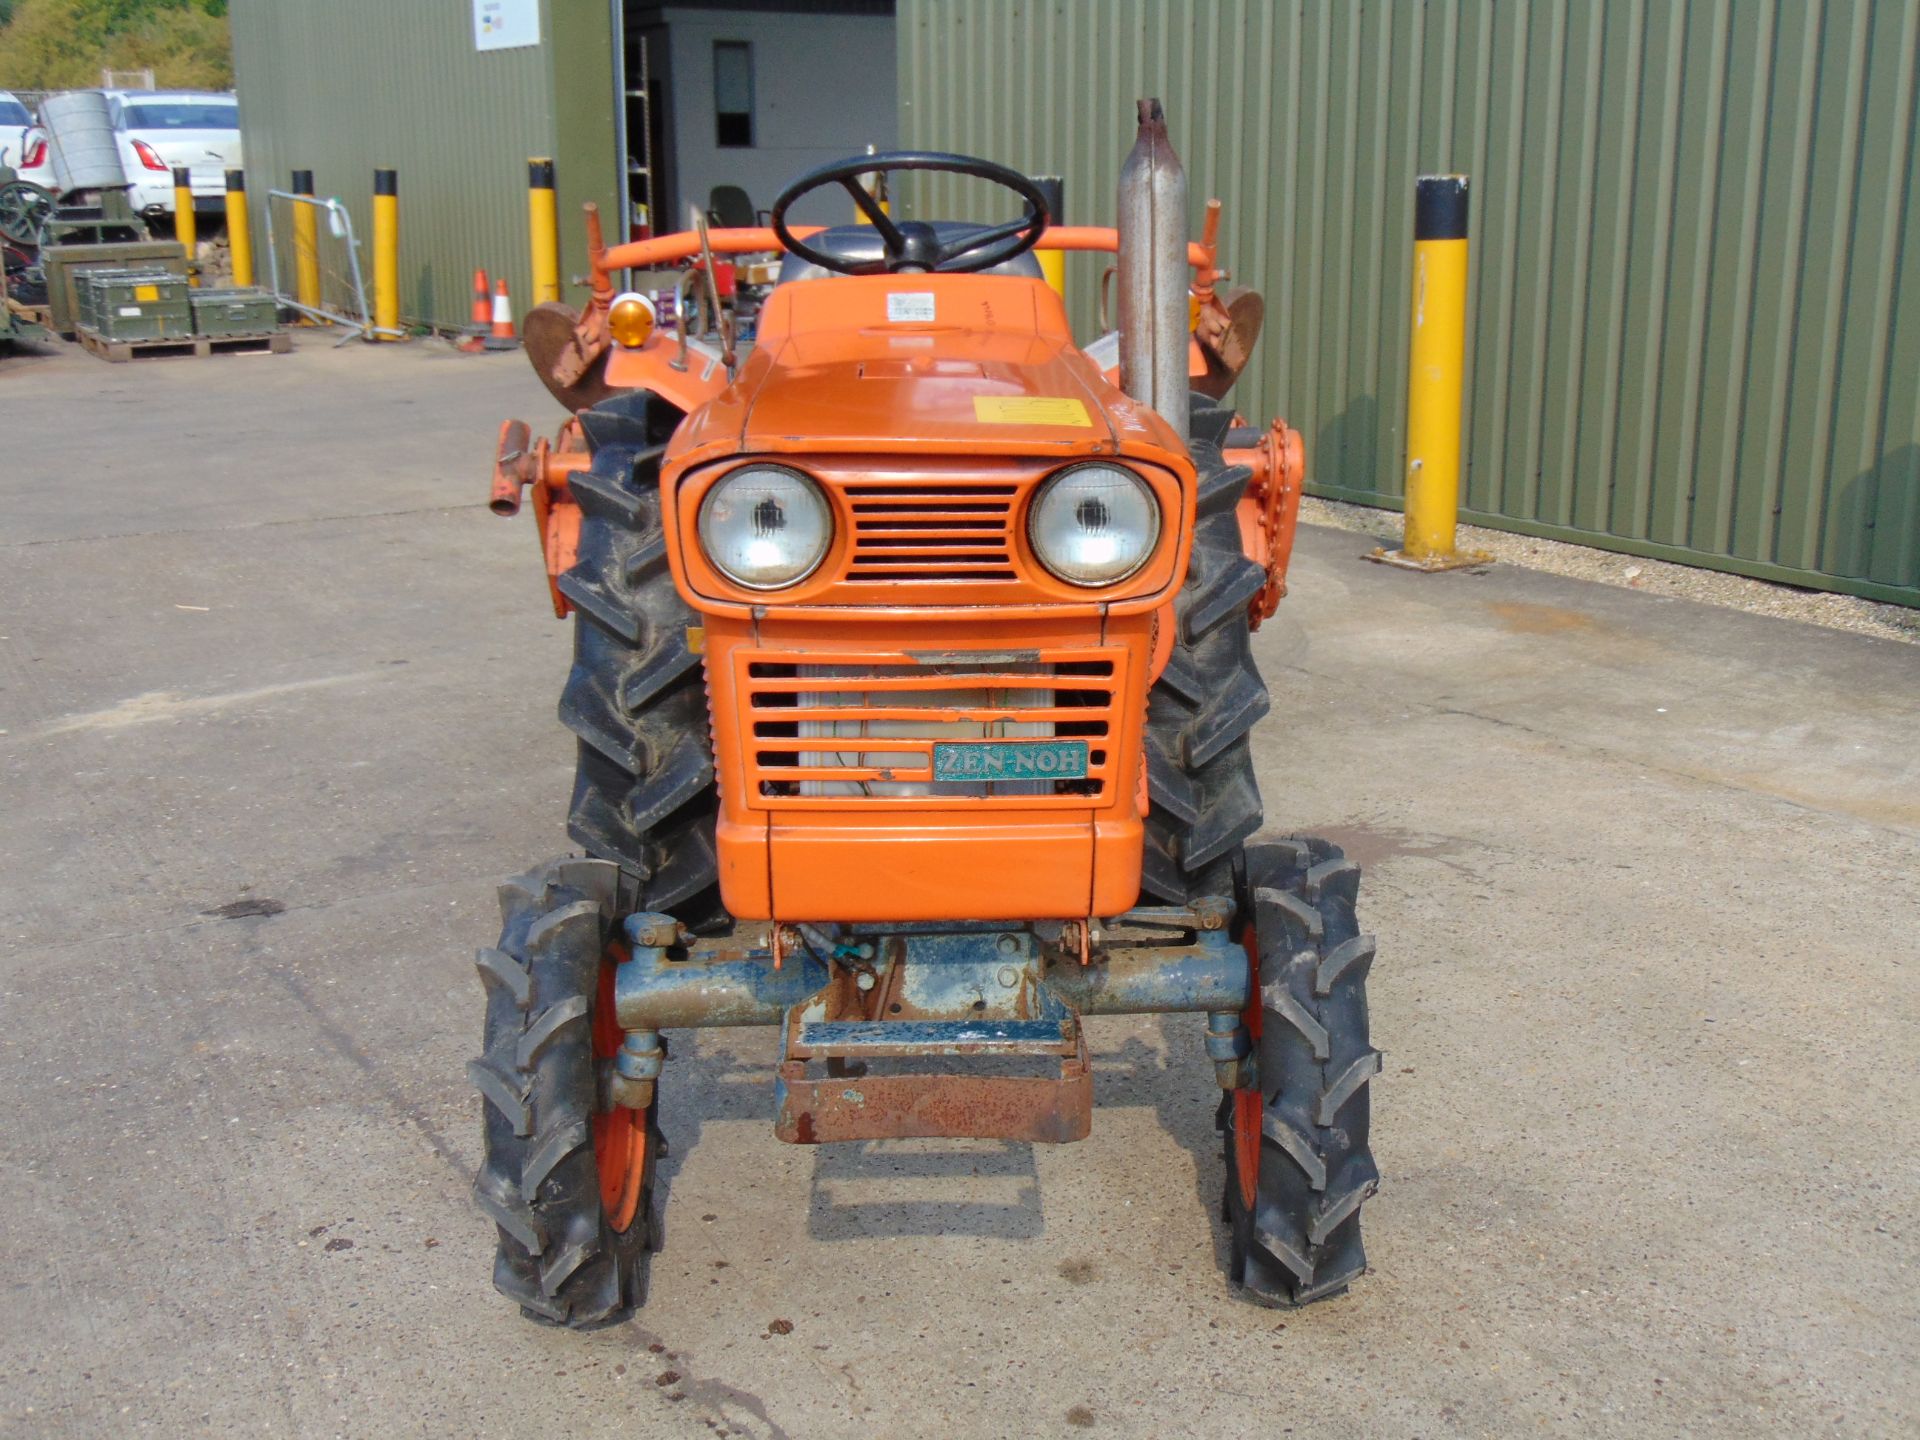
[[567, 1177], [643, 792], [1203, 799], [1297, 1160]]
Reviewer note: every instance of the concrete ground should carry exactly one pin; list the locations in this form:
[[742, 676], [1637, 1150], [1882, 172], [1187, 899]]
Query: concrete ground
[[1643, 875]]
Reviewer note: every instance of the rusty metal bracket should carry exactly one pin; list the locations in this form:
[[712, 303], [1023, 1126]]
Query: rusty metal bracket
[[636, 1069], [591, 339], [541, 469], [514, 467], [1039, 1109], [1271, 509]]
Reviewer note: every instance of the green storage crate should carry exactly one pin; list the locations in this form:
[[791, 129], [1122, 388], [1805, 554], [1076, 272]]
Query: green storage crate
[[136, 305], [83, 293], [65, 264], [86, 305], [218, 314], [83, 290]]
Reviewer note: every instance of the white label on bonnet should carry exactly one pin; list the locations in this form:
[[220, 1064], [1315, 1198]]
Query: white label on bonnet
[[127, 310], [910, 305]]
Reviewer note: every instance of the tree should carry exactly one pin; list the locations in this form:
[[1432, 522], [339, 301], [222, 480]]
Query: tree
[[65, 44]]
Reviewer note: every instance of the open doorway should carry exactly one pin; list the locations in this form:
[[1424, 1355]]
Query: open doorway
[[745, 95]]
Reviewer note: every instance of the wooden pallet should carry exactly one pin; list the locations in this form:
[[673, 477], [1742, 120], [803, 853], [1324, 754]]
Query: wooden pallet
[[122, 350], [35, 318]]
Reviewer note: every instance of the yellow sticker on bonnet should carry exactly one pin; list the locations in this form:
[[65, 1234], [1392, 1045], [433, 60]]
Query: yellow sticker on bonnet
[[146, 292], [1029, 410]]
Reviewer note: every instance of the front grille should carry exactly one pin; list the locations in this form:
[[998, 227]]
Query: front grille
[[862, 729], [950, 529]]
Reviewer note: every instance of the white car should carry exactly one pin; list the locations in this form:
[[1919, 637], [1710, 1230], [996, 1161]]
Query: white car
[[157, 130], [15, 122], [160, 129]]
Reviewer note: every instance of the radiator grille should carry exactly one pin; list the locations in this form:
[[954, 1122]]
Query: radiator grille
[[861, 729], [950, 529]]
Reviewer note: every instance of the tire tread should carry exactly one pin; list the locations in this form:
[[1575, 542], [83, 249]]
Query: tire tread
[[1203, 799], [644, 792], [1300, 1240], [539, 1183]]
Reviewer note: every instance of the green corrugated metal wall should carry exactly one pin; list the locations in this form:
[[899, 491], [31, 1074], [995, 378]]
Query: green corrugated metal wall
[[344, 86], [1695, 304]]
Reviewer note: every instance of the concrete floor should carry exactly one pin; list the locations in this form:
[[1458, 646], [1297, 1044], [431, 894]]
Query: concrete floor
[[1643, 873]]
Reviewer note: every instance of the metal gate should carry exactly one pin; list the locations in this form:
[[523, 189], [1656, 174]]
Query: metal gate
[[313, 263]]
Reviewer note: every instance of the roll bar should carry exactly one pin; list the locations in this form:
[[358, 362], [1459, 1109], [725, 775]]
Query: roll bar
[[663, 250]]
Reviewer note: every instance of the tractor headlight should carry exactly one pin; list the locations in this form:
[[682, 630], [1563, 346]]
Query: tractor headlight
[[1094, 524], [765, 527]]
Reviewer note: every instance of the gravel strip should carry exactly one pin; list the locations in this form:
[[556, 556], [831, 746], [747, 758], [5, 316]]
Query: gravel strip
[[1656, 577]]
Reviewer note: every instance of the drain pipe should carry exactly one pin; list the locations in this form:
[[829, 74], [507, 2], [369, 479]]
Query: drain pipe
[[1152, 226]]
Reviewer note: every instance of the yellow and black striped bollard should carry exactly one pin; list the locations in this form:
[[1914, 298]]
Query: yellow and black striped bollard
[[239, 229], [306, 247], [1436, 362], [543, 230], [183, 221], [386, 255]]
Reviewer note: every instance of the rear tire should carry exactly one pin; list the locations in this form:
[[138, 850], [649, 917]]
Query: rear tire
[[1203, 799], [567, 1179], [643, 792], [1298, 1163]]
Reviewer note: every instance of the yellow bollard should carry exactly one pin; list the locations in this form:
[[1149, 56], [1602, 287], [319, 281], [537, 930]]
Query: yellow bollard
[[543, 228], [1436, 362], [874, 182], [239, 231], [1053, 263], [386, 255], [183, 221], [306, 247]]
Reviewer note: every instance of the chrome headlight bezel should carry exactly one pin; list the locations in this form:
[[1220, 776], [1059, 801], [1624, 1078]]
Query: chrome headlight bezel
[[1147, 538], [707, 518]]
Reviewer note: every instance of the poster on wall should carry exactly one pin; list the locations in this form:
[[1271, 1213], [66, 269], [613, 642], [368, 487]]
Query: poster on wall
[[505, 24]]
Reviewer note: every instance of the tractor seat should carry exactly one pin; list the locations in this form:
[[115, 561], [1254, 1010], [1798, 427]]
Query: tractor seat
[[862, 242]]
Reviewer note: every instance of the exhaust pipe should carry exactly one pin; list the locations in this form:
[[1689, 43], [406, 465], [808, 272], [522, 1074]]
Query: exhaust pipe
[[1153, 271]]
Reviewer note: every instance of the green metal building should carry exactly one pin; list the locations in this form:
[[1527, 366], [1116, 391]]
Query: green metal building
[[644, 107], [1695, 297], [350, 85]]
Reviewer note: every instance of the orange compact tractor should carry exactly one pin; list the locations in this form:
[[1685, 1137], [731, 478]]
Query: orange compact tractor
[[913, 687]]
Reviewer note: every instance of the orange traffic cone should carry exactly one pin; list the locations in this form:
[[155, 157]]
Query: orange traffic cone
[[482, 315], [502, 337]]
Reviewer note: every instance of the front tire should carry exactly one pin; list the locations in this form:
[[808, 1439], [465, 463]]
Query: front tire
[[1298, 1162], [1204, 800], [567, 1178]]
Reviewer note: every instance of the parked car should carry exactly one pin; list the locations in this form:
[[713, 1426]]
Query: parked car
[[160, 129], [15, 121], [157, 130]]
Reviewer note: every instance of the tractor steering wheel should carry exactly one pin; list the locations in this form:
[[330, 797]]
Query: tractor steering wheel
[[913, 245]]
